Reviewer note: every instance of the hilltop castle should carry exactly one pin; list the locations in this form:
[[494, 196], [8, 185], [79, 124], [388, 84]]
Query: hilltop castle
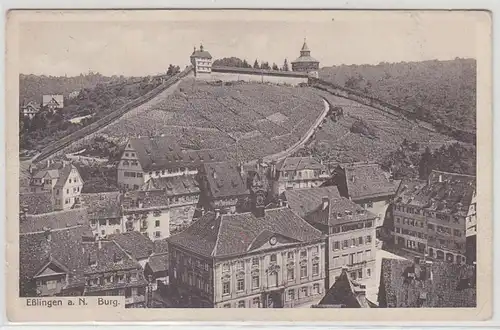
[[302, 68]]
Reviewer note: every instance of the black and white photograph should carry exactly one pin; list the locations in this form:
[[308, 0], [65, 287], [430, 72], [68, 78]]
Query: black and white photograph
[[324, 160]]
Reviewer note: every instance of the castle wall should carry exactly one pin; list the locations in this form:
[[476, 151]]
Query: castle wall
[[262, 78]]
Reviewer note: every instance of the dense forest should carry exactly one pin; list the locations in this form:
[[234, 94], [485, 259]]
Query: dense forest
[[441, 92], [407, 162], [236, 62]]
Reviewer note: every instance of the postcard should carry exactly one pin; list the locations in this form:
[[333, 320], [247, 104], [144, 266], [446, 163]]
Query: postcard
[[165, 165]]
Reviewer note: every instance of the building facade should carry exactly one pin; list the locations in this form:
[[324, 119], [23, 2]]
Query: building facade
[[201, 61], [306, 63], [298, 172], [351, 238], [105, 212], [262, 259], [431, 219], [53, 102], [30, 110]]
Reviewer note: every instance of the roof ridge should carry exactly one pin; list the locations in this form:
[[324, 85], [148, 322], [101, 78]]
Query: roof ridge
[[214, 251]]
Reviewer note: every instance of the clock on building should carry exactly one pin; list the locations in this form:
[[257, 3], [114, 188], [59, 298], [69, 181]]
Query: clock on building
[[273, 240]]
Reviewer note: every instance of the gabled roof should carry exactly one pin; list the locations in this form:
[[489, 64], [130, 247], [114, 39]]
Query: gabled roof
[[145, 199], [234, 234], [368, 180], [443, 191], [339, 211], [159, 153], [299, 163], [173, 186], [158, 262], [36, 203], [58, 99], [102, 205], [306, 200], [440, 284], [53, 220], [345, 293], [224, 179], [201, 53], [134, 243], [56, 170]]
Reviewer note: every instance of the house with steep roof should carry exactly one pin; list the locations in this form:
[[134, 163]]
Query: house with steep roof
[[144, 158], [201, 61], [305, 62], [68, 261], [265, 258], [345, 293], [434, 218], [367, 185], [305, 200], [351, 237], [30, 223], [223, 187], [135, 244], [30, 109], [298, 172], [426, 284], [53, 101], [62, 180], [105, 212], [157, 268]]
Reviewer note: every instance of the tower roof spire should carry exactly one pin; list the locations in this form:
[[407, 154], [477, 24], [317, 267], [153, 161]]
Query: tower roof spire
[[304, 46]]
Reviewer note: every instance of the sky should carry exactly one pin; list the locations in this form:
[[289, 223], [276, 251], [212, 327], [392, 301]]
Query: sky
[[146, 43]]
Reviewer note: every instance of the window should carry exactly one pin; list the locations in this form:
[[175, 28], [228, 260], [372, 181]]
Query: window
[[368, 254], [240, 285], [398, 230], [241, 304], [336, 245], [126, 154], [398, 220], [255, 282], [360, 240], [67, 191], [345, 245], [360, 273], [157, 223], [303, 254], [457, 232], [255, 261], [256, 302], [226, 288], [315, 250], [240, 265], [368, 272], [315, 269], [273, 258], [273, 279], [51, 285], [336, 261], [157, 234], [225, 268], [290, 255], [291, 294], [128, 292], [227, 305], [69, 180], [303, 291], [360, 256], [368, 239], [353, 242], [290, 274], [316, 288], [303, 271]]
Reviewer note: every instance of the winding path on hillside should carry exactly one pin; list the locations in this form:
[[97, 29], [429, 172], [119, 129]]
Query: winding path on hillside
[[299, 144]]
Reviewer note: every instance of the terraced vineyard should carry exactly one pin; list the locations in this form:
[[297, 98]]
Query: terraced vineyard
[[336, 143], [259, 119]]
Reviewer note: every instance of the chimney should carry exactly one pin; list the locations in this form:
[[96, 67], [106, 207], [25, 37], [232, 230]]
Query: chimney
[[99, 243], [217, 213], [273, 169], [325, 201], [280, 202], [214, 175], [440, 179], [47, 234], [201, 47], [242, 172]]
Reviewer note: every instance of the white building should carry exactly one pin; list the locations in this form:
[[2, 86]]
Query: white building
[[201, 61]]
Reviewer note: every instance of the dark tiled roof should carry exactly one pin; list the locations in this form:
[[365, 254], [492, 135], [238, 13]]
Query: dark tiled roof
[[160, 246], [201, 54], [345, 293], [134, 243], [162, 152], [224, 179], [339, 211], [452, 194], [368, 181], [53, 220], [234, 234], [158, 262], [441, 284], [36, 203], [304, 201], [305, 59], [106, 257], [299, 163], [173, 186], [102, 205]]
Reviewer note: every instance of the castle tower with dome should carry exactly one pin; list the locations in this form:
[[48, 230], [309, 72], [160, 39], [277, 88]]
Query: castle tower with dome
[[306, 63]]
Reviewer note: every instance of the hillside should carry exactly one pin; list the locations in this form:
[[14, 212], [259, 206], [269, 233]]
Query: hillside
[[441, 92], [250, 120]]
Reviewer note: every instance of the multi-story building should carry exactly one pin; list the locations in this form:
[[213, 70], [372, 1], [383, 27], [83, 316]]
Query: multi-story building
[[201, 61], [265, 258], [223, 187], [298, 172], [105, 212], [60, 257], [62, 180], [53, 102], [158, 157], [367, 185], [147, 212], [30, 109], [351, 237], [306, 63], [432, 218]]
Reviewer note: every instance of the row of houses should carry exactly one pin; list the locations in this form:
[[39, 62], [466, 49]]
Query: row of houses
[[50, 102]]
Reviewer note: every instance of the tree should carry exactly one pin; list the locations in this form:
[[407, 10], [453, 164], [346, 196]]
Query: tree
[[246, 65], [256, 64], [265, 66], [275, 67], [173, 70], [285, 65], [426, 164]]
